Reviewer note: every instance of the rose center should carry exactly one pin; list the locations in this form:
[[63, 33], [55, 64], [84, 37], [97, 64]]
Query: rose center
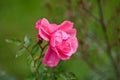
[[61, 42]]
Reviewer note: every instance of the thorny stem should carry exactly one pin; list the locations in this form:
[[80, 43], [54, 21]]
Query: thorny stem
[[33, 60], [36, 60], [29, 52], [42, 49], [109, 47]]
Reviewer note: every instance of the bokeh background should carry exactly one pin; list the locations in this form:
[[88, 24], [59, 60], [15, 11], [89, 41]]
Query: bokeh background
[[91, 62]]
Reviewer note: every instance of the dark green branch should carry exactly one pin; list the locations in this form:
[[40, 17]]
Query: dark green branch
[[109, 47]]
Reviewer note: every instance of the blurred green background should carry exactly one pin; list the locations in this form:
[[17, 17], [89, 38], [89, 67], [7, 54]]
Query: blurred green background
[[18, 17]]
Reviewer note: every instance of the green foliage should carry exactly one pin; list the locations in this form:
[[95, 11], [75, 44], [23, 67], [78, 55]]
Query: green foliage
[[92, 60], [68, 76], [39, 71], [23, 45], [27, 41], [15, 41], [35, 48], [20, 52]]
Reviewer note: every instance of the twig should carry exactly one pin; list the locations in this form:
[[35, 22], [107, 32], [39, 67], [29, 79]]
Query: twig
[[87, 10], [29, 52], [35, 72], [37, 60], [70, 11], [42, 49], [109, 47]]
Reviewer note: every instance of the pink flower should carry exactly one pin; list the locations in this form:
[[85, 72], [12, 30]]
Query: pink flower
[[62, 41]]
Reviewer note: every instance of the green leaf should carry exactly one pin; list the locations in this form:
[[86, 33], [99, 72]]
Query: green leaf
[[35, 48], [29, 59], [39, 63], [33, 66], [20, 52], [27, 41], [14, 41]]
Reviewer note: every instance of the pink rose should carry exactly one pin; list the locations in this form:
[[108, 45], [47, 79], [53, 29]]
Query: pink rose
[[62, 41]]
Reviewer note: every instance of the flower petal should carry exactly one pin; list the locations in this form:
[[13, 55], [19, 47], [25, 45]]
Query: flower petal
[[63, 57], [74, 44], [43, 34], [71, 32], [60, 54], [38, 23], [45, 28], [65, 26], [51, 59]]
